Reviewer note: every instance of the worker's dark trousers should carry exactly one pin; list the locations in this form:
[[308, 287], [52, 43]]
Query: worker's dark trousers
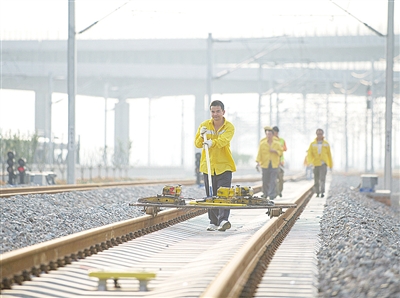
[[225, 180], [319, 178], [279, 186], [269, 178]]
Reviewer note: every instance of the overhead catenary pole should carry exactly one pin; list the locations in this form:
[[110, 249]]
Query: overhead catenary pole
[[277, 110], [71, 92], [345, 125], [271, 86], [209, 69], [389, 97], [259, 100], [105, 124], [366, 130], [49, 129], [327, 111], [149, 133], [304, 111], [182, 132], [372, 116]]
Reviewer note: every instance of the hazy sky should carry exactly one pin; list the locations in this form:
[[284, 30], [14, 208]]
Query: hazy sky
[[136, 19], [191, 18]]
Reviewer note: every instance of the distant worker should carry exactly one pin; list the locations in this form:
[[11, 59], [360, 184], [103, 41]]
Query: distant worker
[[281, 170], [319, 156], [268, 158], [219, 132]]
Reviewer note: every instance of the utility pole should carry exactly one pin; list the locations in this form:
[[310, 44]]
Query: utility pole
[[270, 109], [367, 107], [345, 125], [182, 132], [389, 97], [259, 100], [209, 69], [149, 134], [327, 111], [304, 112], [105, 124], [271, 86], [71, 92], [48, 130], [372, 116], [277, 110]]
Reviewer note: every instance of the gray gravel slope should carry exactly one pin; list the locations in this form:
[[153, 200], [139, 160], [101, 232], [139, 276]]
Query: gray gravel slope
[[32, 219], [360, 245]]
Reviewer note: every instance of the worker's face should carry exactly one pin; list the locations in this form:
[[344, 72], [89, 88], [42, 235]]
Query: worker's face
[[217, 113], [269, 134], [320, 135]]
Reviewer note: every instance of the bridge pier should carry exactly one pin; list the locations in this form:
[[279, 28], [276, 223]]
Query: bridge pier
[[200, 113], [122, 144], [43, 121], [43, 113]]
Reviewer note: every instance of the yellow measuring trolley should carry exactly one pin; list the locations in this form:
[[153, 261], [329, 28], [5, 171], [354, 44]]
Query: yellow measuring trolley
[[115, 274], [235, 197]]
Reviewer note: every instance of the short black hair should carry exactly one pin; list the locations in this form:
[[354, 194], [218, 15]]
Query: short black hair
[[275, 128], [217, 103]]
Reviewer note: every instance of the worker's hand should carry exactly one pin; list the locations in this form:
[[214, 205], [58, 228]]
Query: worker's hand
[[258, 168], [208, 143], [203, 130]]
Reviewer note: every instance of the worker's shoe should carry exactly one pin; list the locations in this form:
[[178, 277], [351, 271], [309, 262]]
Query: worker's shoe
[[212, 227], [322, 195], [224, 225]]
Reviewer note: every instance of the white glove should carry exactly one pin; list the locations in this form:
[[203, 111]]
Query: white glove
[[208, 143], [203, 130]]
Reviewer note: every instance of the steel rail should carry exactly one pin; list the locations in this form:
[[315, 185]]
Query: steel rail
[[7, 192], [233, 278], [51, 189]]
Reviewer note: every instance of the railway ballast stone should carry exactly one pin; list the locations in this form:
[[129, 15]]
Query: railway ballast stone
[[359, 252]]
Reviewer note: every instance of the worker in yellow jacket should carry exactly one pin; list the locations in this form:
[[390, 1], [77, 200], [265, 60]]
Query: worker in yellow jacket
[[319, 155], [268, 159], [219, 132]]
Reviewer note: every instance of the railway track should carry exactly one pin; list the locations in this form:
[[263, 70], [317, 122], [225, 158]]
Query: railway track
[[28, 190], [22, 266]]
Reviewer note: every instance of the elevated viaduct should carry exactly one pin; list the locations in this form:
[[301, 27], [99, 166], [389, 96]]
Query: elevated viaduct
[[125, 69]]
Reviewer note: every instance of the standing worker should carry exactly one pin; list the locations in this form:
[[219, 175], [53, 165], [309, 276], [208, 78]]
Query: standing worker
[[279, 186], [219, 132], [268, 158], [319, 155]]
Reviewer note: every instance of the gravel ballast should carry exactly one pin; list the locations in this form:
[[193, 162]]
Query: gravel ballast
[[359, 254], [32, 219]]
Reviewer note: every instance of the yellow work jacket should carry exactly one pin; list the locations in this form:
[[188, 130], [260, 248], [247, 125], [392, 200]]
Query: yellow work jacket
[[264, 156], [316, 159], [221, 159]]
